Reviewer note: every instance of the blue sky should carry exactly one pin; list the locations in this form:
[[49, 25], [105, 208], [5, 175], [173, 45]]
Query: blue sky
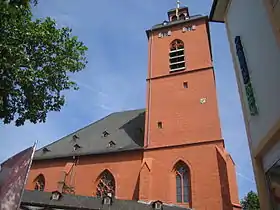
[[114, 78]]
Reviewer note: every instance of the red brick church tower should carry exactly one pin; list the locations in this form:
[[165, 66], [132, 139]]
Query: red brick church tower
[[186, 162], [172, 151]]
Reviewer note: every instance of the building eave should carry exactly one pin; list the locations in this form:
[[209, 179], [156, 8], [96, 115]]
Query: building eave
[[218, 11], [209, 40], [174, 23], [121, 150]]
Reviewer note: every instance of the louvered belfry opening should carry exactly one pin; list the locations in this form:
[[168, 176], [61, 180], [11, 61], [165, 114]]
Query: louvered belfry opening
[[177, 56]]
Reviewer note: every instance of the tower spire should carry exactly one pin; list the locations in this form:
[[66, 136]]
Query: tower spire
[[177, 9]]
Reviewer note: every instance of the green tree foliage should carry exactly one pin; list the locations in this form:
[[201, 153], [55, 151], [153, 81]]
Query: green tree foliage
[[250, 201], [36, 60]]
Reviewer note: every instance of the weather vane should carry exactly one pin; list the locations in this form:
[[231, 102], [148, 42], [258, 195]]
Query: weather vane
[[177, 8]]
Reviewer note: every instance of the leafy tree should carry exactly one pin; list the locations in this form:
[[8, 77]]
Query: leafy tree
[[36, 60], [250, 201]]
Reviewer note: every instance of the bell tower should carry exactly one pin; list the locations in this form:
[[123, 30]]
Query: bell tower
[[181, 92], [184, 160]]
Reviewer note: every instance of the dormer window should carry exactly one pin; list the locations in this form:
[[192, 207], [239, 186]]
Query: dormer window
[[157, 205], [76, 147], [56, 195], [75, 137], [107, 200], [164, 22], [111, 144], [105, 134], [177, 56], [45, 149]]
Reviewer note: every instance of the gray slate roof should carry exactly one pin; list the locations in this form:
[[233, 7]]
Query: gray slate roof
[[67, 201], [125, 132]]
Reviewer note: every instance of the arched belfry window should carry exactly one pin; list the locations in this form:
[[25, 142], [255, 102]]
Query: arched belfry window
[[182, 17], [39, 183], [183, 187], [177, 55], [106, 184], [173, 18]]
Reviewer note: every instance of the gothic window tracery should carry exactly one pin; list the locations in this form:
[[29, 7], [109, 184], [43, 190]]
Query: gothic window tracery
[[39, 183], [183, 188], [106, 184]]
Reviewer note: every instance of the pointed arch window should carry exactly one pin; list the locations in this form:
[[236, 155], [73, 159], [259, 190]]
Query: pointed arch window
[[39, 183], [106, 184], [183, 188], [177, 55]]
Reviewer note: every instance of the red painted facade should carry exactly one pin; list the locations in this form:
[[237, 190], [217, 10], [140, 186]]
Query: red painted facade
[[189, 134]]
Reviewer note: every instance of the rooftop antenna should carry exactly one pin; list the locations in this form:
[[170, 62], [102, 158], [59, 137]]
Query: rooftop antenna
[[177, 9]]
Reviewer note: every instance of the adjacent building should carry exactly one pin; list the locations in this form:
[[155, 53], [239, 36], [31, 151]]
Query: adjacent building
[[170, 155], [253, 28]]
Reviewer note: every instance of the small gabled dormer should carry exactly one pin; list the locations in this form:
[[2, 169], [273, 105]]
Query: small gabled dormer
[[45, 149], [75, 137], [111, 144], [105, 134], [157, 205], [76, 147], [107, 199], [56, 195]]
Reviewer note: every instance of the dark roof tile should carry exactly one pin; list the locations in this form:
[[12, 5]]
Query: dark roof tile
[[43, 199], [124, 129]]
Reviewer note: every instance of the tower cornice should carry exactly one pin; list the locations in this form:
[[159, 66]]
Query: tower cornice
[[166, 24]]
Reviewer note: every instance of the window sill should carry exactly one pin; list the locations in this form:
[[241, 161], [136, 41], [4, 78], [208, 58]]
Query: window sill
[[178, 69], [184, 204]]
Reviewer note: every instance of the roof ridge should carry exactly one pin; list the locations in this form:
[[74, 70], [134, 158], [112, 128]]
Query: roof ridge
[[130, 110]]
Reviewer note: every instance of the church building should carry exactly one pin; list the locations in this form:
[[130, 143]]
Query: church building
[[169, 155]]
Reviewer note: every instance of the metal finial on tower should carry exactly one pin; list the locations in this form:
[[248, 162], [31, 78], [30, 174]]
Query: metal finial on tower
[[178, 4], [177, 9]]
